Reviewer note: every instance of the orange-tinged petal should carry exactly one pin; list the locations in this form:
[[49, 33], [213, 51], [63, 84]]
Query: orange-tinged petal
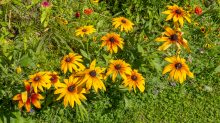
[[28, 105], [35, 102], [92, 66], [168, 68], [17, 97], [167, 12], [20, 104]]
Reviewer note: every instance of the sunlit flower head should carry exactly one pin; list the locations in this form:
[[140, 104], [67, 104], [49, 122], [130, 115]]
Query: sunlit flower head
[[173, 37], [88, 11], [54, 79], [177, 13], [45, 4], [190, 12], [178, 69], [18, 69], [207, 45], [133, 80], [145, 37], [71, 92], [118, 66], [196, 24], [95, 1], [38, 80], [124, 24], [92, 77], [112, 41], [71, 61], [202, 29], [198, 10], [28, 97], [87, 30], [64, 22]]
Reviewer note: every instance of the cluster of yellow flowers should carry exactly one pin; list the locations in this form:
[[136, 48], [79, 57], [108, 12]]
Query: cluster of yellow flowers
[[178, 67]]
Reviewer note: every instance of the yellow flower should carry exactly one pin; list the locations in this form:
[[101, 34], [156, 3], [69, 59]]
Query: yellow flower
[[218, 35], [208, 45], [94, 38], [202, 29], [206, 35], [190, 12], [145, 37], [196, 24], [18, 69], [28, 97], [174, 37], [70, 61], [95, 1], [53, 80], [38, 65], [38, 80], [178, 69], [118, 66], [87, 30], [64, 22], [92, 77], [177, 13], [135, 79], [72, 92], [10, 41], [112, 41], [124, 23]]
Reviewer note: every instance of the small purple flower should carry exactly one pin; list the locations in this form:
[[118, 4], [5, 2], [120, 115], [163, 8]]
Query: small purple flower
[[32, 111], [191, 81], [173, 84], [190, 58], [201, 50], [156, 91]]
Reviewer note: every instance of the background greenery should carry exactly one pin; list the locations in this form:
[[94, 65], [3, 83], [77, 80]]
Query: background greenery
[[187, 102]]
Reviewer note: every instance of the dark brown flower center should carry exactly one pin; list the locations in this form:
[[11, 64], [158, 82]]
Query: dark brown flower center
[[71, 88], [134, 77], [112, 39], [92, 73], [36, 78], [29, 94], [203, 29], [52, 78], [84, 30], [68, 59], [123, 21], [174, 37], [118, 67], [178, 11], [178, 65]]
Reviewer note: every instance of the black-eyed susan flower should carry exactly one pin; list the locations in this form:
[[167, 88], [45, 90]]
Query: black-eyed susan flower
[[145, 37], [174, 37], [178, 69], [190, 12], [71, 61], [92, 77], [94, 38], [54, 79], [196, 24], [38, 80], [124, 24], [87, 30], [202, 29], [64, 22], [177, 13], [112, 41], [71, 92], [133, 80], [207, 45], [28, 97], [118, 66], [18, 69]]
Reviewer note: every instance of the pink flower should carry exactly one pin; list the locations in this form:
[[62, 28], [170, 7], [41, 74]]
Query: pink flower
[[45, 4], [77, 14]]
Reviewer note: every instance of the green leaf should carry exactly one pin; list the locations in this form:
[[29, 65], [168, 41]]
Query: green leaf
[[140, 49], [128, 102], [41, 44], [217, 69], [4, 69], [24, 61], [157, 66], [84, 53]]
